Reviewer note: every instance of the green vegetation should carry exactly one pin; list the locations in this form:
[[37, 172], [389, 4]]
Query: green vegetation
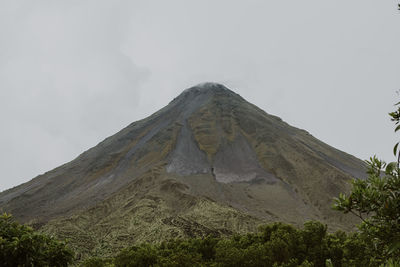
[[278, 244], [376, 201], [20, 245]]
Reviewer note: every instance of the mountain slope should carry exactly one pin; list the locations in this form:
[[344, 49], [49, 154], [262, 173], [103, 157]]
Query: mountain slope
[[208, 162]]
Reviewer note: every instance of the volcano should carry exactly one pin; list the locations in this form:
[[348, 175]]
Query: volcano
[[208, 163]]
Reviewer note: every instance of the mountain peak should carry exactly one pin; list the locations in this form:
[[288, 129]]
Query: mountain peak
[[208, 160], [204, 91], [208, 86]]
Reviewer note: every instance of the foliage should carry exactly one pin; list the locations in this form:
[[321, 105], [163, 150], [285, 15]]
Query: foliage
[[20, 245], [137, 256], [277, 245], [391, 263], [376, 201], [97, 262]]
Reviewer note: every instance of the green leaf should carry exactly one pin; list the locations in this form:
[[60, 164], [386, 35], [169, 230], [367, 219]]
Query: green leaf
[[389, 168], [395, 149], [328, 263], [397, 128], [394, 247]]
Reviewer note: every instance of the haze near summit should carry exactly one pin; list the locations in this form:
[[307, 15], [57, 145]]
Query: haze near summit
[[74, 72]]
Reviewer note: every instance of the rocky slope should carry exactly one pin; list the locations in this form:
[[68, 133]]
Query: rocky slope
[[207, 163]]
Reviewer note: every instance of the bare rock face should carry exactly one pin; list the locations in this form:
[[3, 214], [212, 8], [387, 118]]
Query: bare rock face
[[187, 158], [208, 162]]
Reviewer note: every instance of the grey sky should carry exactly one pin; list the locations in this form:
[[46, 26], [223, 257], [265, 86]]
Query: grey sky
[[74, 72]]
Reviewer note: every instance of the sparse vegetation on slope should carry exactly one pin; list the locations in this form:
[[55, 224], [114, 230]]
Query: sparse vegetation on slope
[[149, 210]]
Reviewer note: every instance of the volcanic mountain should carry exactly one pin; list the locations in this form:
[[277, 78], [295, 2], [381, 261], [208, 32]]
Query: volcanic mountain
[[208, 163]]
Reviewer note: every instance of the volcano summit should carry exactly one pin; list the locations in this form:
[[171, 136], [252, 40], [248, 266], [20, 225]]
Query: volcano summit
[[208, 163]]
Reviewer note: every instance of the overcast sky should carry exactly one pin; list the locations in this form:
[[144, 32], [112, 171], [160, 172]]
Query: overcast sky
[[73, 72]]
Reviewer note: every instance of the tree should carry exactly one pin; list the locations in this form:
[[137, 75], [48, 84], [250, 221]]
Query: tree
[[137, 256], [20, 245], [376, 201]]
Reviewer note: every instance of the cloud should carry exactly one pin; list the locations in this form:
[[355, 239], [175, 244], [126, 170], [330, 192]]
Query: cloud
[[63, 77]]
